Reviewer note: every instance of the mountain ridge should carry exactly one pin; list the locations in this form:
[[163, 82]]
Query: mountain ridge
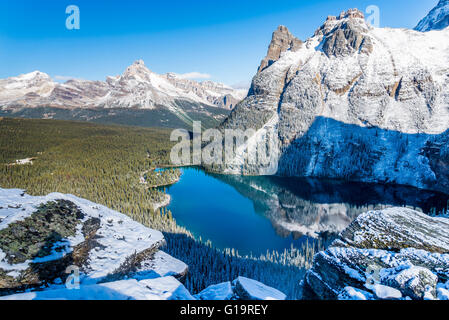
[[137, 97], [437, 19]]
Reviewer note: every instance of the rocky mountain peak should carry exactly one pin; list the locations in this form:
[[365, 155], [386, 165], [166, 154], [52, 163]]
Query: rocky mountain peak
[[346, 34], [437, 19], [282, 41], [138, 71]]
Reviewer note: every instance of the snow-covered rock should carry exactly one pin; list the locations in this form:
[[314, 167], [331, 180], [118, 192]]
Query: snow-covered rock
[[350, 293], [137, 87], [386, 293], [396, 248], [413, 281], [43, 237], [166, 288], [240, 289], [221, 291], [354, 102], [437, 19]]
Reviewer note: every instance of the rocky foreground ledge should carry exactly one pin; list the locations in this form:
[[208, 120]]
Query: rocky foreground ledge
[[395, 253], [64, 247]]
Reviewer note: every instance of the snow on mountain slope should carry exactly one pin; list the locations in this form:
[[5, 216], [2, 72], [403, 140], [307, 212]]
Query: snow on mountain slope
[[437, 19], [355, 102], [165, 288], [137, 87], [32, 84]]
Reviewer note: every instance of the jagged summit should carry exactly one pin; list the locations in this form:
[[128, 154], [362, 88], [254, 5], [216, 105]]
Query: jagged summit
[[437, 19], [282, 41], [345, 34]]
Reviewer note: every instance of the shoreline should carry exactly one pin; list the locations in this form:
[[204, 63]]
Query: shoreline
[[162, 204]]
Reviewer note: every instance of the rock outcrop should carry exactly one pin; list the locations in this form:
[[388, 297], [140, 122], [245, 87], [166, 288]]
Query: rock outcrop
[[281, 42], [347, 38], [382, 253], [43, 237], [240, 289]]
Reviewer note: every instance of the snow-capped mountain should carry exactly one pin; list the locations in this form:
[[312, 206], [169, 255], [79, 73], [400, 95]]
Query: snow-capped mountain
[[354, 102], [437, 19], [167, 100]]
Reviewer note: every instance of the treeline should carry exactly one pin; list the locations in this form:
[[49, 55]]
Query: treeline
[[162, 177]]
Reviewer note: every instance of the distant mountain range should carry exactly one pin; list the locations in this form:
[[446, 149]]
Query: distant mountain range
[[138, 96], [354, 102]]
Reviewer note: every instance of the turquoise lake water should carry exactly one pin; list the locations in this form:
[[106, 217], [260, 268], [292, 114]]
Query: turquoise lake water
[[256, 214]]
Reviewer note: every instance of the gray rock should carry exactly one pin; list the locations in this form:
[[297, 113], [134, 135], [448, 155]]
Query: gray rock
[[375, 250], [240, 289], [248, 289]]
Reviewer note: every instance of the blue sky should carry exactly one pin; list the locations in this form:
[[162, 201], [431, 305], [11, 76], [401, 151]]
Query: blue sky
[[224, 39]]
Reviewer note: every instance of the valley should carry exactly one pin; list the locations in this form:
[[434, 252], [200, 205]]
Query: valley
[[351, 204]]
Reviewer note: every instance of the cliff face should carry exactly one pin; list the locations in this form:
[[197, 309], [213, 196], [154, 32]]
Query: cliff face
[[355, 102]]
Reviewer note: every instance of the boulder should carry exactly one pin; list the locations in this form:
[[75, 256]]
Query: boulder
[[384, 253], [222, 291], [248, 289], [240, 289]]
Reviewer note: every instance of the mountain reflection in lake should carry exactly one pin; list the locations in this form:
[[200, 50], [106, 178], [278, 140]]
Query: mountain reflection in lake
[[256, 214]]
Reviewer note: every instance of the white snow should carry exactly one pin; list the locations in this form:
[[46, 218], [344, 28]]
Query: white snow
[[351, 293], [160, 265], [257, 290], [436, 15], [166, 288], [386, 293], [120, 235]]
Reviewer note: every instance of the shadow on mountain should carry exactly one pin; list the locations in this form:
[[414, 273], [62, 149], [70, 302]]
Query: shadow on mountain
[[335, 150]]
